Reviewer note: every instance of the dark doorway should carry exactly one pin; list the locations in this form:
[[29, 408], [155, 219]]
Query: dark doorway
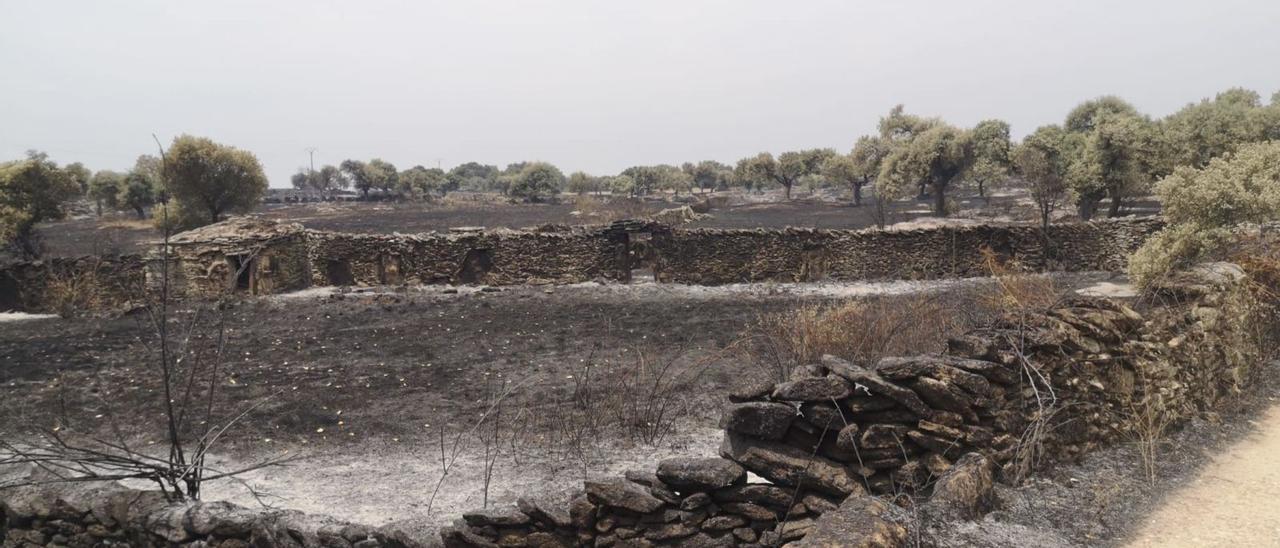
[[241, 272], [475, 265], [642, 260], [9, 297], [389, 269], [339, 272]]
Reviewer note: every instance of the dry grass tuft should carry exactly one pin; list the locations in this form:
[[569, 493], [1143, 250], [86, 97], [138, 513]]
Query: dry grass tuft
[[1015, 290], [857, 330], [1148, 424], [74, 290]]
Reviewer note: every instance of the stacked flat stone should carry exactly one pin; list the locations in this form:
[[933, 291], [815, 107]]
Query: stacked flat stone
[[685, 502], [899, 423], [90, 515]]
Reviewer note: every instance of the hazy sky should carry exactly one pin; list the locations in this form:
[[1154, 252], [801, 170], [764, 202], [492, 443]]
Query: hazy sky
[[588, 85]]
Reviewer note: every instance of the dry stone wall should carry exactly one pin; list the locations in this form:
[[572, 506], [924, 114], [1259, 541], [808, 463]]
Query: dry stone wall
[[1031, 389], [83, 282], [493, 258], [708, 256], [85, 516], [254, 256]]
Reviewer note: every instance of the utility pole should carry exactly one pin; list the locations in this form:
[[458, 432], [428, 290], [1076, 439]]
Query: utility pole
[[311, 152]]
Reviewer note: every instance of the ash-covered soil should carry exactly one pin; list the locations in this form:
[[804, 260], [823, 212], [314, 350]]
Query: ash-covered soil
[[122, 233], [367, 386]]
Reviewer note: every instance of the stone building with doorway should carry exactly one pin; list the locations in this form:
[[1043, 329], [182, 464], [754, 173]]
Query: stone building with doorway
[[240, 255]]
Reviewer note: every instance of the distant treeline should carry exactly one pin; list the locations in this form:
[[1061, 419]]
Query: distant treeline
[[1104, 151]]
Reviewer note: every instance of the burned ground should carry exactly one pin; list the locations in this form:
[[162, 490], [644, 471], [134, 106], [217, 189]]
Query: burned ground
[[123, 234], [368, 383]]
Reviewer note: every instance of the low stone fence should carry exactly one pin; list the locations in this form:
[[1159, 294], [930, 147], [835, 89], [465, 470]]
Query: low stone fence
[[85, 516], [261, 257], [710, 256], [66, 284]]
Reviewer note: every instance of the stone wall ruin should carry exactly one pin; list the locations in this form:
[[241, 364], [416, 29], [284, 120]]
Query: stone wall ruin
[[253, 256], [1029, 389]]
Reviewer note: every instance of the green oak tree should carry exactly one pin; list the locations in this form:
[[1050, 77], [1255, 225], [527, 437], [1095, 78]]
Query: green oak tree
[[1202, 205], [937, 158], [991, 163], [420, 182], [105, 188], [139, 193], [32, 190], [357, 174], [1043, 161], [212, 179], [537, 182], [81, 175]]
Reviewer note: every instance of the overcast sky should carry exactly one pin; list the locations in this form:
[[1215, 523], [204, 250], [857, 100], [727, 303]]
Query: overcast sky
[[588, 85]]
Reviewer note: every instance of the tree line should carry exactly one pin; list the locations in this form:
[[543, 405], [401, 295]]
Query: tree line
[[1104, 152], [194, 182]]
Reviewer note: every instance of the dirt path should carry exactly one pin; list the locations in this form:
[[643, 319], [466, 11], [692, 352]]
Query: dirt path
[[1234, 502]]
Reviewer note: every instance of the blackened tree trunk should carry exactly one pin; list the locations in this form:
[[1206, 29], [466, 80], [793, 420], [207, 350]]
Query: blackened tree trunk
[[1088, 206], [939, 201], [1114, 210]]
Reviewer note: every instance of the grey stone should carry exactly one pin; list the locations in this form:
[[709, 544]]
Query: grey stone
[[670, 531], [787, 465], [769, 495], [901, 368], [967, 490], [724, 522], [765, 420], [940, 395], [620, 493], [582, 512], [543, 513], [504, 517], [859, 522], [695, 501], [753, 512], [461, 537], [883, 436], [700, 474], [823, 416], [809, 371], [812, 389], [875, 385]]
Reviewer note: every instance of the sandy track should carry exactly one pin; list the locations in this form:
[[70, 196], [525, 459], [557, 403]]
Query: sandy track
[[1234, 502]]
